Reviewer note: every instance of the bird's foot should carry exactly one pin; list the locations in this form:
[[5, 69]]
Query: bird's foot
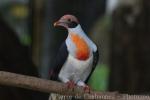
[[87, 89], [70, 85]]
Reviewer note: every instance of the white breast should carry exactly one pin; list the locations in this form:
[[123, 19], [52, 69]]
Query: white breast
[[75, 69]]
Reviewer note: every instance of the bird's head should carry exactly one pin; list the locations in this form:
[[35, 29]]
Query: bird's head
[[67, 21]]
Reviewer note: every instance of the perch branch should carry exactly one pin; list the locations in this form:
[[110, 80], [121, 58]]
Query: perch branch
[[48, 86]]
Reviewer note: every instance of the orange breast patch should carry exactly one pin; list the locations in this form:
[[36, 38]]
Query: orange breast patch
[[82, 49]]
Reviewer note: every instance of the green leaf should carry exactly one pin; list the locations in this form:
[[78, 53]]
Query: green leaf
[[99, 79]]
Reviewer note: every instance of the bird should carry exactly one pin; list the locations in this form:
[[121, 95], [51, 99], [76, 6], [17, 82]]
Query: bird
[[77, 57]]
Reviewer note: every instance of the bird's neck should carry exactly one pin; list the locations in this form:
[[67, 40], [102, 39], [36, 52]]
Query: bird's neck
[[77, 30]]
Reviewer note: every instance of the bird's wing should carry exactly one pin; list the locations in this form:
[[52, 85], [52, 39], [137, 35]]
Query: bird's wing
[[95, 61], [59, 62]]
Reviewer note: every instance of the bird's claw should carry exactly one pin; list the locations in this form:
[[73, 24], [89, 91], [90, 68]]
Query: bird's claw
[[87, 89], [70, 85]]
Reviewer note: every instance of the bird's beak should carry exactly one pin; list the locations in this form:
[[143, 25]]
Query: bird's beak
[[57, 24], [62, 23]]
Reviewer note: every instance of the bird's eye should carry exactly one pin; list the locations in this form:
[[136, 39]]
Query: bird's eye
[[69, 20]]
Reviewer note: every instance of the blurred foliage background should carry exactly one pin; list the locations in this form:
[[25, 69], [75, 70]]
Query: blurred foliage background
[[120, 28]]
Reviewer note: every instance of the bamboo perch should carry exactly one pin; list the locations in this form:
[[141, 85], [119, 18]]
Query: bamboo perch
[[48, 86]]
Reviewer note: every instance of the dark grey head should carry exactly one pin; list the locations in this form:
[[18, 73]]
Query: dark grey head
[[67, 21]]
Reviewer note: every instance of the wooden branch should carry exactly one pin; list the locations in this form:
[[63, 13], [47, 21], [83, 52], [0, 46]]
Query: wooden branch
[[48, 86]]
